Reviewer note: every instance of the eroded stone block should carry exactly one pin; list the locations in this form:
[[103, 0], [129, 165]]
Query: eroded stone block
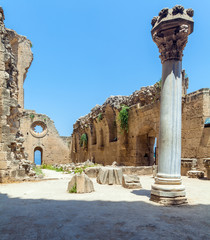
[[82, 184], [131, 181], [110, 176]]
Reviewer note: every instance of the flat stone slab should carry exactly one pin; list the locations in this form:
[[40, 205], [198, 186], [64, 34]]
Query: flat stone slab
[[131, 182], [110, 176]]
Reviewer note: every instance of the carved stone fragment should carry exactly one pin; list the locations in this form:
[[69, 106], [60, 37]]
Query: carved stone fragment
[[163, 13], [131, 182], [178, 9], [190, 12], [110, 176]]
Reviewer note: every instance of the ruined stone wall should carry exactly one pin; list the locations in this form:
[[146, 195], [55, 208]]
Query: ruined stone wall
[[18, 140], [106, 140], [107, 143], [12, 154], [21, 48], [196, 138], [54, 149]]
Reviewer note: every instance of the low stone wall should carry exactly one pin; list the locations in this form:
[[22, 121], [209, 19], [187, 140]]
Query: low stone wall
[[141, 170]]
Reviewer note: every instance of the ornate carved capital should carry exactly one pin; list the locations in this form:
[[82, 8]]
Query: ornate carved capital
[[171, 45], [170, 32]]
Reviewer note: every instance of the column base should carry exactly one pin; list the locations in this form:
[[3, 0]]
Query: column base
[[168, 194], [168, 201]]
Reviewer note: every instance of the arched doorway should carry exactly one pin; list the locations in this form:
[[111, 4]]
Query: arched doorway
[[38, 156]]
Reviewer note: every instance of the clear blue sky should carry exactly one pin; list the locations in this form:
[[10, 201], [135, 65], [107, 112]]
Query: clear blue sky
[[87, 50]]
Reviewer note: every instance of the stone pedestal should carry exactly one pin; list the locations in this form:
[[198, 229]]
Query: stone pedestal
[[170, 32], [207, 166]]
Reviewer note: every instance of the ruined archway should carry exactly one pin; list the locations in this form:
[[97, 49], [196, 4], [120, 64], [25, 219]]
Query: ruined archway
[[38, 156], [146, 147]]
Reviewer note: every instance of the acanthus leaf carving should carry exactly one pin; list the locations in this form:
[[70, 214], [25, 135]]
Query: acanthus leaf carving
[[171, 46]]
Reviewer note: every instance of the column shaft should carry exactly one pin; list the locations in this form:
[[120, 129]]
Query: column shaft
[[169, 165]]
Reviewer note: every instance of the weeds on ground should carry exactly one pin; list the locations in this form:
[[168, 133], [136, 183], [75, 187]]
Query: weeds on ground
[[81, 169], [76, 170], [38, 171], [73, 189], [50, 167]]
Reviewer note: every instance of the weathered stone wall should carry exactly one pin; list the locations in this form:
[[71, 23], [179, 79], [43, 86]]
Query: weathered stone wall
[[196, 138], [21, 48], [54, 149], [12, 154], [17, 138], [107, 143]]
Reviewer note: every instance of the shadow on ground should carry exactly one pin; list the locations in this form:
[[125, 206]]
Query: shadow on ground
[[30, 219], [142, 192]]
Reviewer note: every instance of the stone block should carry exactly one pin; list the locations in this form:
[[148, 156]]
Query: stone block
[[21, 173], [13, 174], [3, 164], [110, 176], [3, 156], [131, 182], [82, 182], [195, 174], [92, 172]]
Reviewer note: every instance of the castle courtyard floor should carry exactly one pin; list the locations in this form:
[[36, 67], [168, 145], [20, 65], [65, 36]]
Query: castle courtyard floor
[[44, 210]]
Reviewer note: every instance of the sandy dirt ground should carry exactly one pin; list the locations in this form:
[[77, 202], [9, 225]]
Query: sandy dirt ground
[[45, 210]]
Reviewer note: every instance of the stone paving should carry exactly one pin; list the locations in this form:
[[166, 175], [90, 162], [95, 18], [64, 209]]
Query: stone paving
[[44, 210]]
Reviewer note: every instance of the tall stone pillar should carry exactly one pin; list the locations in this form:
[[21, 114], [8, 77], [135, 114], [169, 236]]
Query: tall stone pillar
[[170, 32]]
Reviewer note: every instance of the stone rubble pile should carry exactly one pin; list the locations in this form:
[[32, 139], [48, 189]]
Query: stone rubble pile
[[72, 166]]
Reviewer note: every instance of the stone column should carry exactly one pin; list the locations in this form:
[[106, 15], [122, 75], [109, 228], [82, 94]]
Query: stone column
[[170, 32]]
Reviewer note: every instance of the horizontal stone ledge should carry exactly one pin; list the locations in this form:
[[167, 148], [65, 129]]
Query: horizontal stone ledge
[[139, 170]]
